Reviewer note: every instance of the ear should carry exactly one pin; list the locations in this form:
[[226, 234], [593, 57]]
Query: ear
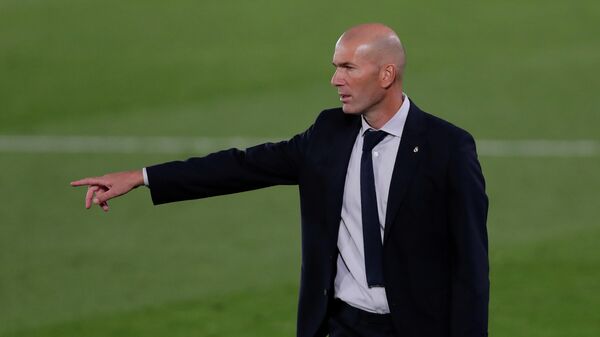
[[387, 75]]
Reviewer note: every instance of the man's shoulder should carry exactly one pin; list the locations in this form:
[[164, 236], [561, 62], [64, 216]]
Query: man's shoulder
[[335, 119], [332, 114], [438, 127], [434, 125]]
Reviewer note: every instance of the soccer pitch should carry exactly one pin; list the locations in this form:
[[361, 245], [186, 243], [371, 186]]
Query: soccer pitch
[[237, 71]]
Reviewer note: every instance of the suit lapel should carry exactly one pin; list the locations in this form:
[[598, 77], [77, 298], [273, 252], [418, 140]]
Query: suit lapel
[[408, 157], [339, 156]]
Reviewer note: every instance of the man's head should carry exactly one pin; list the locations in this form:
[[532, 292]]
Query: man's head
[[369, 62]]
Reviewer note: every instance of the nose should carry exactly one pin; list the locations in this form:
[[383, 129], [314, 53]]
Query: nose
[[336, 79]]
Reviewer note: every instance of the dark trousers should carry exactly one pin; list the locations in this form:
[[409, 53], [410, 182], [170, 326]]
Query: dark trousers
[[347, 321]]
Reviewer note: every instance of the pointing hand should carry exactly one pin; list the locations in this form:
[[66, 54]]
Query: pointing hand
[[101, 189]]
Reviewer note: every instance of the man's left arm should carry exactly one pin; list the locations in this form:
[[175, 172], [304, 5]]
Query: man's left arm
[[468, 207]]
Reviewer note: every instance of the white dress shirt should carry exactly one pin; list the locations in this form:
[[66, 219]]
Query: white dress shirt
[[351, 280], [145, 174]]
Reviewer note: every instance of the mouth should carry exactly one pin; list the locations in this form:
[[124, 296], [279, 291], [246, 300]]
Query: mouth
[[344, 98]]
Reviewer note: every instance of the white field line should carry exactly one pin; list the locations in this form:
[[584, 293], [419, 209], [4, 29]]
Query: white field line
[[538, 148], [202, 145], [118, 144]]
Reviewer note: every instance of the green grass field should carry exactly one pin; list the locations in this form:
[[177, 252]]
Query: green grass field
[[505, 70]]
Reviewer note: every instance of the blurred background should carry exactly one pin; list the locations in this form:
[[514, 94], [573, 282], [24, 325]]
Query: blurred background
[[89, 87]]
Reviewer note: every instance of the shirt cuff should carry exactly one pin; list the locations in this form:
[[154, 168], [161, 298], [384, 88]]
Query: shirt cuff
[[145, 174]]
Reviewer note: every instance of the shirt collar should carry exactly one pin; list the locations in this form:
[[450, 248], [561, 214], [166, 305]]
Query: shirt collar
[[395, 125]]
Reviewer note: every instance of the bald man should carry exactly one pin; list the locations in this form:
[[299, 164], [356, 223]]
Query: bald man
[[393, 203]]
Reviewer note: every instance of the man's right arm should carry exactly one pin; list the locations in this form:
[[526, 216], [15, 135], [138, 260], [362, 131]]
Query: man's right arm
[[229, 171], [223, 172]]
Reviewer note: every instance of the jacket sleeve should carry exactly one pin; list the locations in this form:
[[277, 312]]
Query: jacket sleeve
[[229, 171], [468, 207]]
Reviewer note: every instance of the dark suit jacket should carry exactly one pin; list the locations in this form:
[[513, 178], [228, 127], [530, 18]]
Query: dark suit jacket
[[435, 241]]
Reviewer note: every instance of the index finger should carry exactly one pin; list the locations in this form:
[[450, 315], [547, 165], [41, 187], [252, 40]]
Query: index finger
[[88, 181]]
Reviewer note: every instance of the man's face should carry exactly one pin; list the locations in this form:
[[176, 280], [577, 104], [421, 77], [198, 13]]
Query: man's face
[[356, 78]]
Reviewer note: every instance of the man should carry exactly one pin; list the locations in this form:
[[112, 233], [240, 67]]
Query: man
[[393, 203]]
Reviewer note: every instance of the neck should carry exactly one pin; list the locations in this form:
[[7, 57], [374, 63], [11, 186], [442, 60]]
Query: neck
[[384, 110]]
